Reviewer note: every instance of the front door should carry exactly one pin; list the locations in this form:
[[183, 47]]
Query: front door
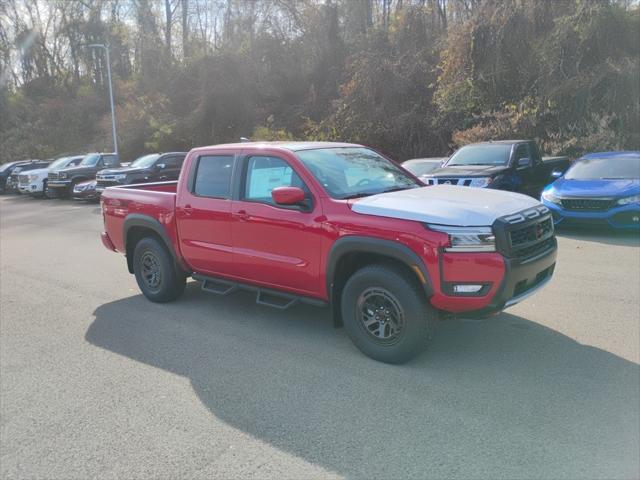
[[203, 214], [275, 245]]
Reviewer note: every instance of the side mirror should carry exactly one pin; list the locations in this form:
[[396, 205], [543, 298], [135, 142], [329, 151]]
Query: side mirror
[[524, 162], [161, 166], [556, 174], [287, 195]]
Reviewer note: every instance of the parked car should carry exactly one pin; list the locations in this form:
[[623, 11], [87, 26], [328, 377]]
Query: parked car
[[421, 167], [12, 184], [62, 181], [34, 182], [85, 191], [332, 224], [513, 165], [5, 172], [598, 189], [155, 167]]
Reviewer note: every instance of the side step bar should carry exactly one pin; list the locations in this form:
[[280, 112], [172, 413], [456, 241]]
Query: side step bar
[[264, 296]]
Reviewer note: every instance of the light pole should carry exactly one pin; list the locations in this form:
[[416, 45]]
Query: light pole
[[113, 110]]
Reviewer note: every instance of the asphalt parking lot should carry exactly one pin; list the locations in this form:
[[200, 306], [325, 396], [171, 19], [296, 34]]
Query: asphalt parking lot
[[95, 381]]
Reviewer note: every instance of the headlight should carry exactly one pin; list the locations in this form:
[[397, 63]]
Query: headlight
[[120, 176], [33, 178], [468, 239], [629, 200], [480, 182], [79, 188], [62, 175], [550, 197]]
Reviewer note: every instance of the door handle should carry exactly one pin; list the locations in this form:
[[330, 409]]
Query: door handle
[[242, 215], [188, 209]]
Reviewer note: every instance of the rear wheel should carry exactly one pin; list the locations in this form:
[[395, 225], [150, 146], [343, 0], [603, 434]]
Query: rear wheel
[[386, 314], [156, 272]]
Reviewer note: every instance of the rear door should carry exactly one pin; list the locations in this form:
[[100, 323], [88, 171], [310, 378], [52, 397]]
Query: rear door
[[275, 245], [203, 213]]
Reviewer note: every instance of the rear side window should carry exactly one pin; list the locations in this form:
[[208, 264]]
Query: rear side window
[[213, 176]]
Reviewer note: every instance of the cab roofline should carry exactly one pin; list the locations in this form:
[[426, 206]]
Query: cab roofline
[[290, 146]]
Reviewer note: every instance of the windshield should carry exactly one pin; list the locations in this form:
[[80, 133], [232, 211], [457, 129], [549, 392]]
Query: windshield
[[621, 168], [6, 166], [90, 160], [146, 161], [481, 155], [61, 162], [351, 172]]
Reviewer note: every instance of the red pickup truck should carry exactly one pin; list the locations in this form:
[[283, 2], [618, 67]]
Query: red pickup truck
[[332, 224]]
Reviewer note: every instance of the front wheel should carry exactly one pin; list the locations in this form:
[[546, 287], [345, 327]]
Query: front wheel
[[156, 273], [386, 314]]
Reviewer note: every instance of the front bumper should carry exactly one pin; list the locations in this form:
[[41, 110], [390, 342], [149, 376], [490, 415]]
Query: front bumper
[[508, 280], [624, 217], [33, 187], [59, 183]]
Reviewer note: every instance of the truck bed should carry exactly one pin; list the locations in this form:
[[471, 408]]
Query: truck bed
[[155, 200]]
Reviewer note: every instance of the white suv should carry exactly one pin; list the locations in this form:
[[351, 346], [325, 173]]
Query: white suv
[[34, 182]]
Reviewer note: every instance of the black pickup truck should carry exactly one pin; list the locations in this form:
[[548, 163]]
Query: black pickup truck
[[155, 167], [513, 165], [61, 182]]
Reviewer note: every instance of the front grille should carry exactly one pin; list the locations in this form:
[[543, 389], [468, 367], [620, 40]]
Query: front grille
[[465, 182], [589, 204], [525, 234], [106, 183], [534, 249], [530, 233], [53, 176]]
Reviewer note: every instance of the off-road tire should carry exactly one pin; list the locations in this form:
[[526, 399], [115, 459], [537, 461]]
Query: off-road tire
[[391, 290], [155, 271]]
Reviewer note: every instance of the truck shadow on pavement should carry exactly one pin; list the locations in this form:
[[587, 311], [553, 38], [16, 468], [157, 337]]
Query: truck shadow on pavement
[[501, 398]]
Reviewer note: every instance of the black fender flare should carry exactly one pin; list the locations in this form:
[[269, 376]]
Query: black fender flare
[[378, 246], [145, 221]]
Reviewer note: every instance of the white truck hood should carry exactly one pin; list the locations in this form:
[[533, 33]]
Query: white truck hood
[[445, 205], [41, 172]]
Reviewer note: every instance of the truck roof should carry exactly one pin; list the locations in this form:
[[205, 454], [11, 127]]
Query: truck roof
[[501, 142], [288, 145]]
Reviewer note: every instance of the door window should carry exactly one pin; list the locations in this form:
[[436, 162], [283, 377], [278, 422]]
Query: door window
[[173, 162], [266, 173], [522, 151], [213, 176], [110, 160]]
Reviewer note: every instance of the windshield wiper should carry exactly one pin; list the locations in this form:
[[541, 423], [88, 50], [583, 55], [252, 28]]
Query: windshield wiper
[[397, 189], [357, 195]]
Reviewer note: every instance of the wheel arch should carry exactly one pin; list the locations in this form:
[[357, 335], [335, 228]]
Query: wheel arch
[[138, 226], [349, 254]]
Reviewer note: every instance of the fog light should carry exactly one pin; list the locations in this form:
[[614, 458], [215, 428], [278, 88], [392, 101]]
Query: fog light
[[467, 288], [635, 218]]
